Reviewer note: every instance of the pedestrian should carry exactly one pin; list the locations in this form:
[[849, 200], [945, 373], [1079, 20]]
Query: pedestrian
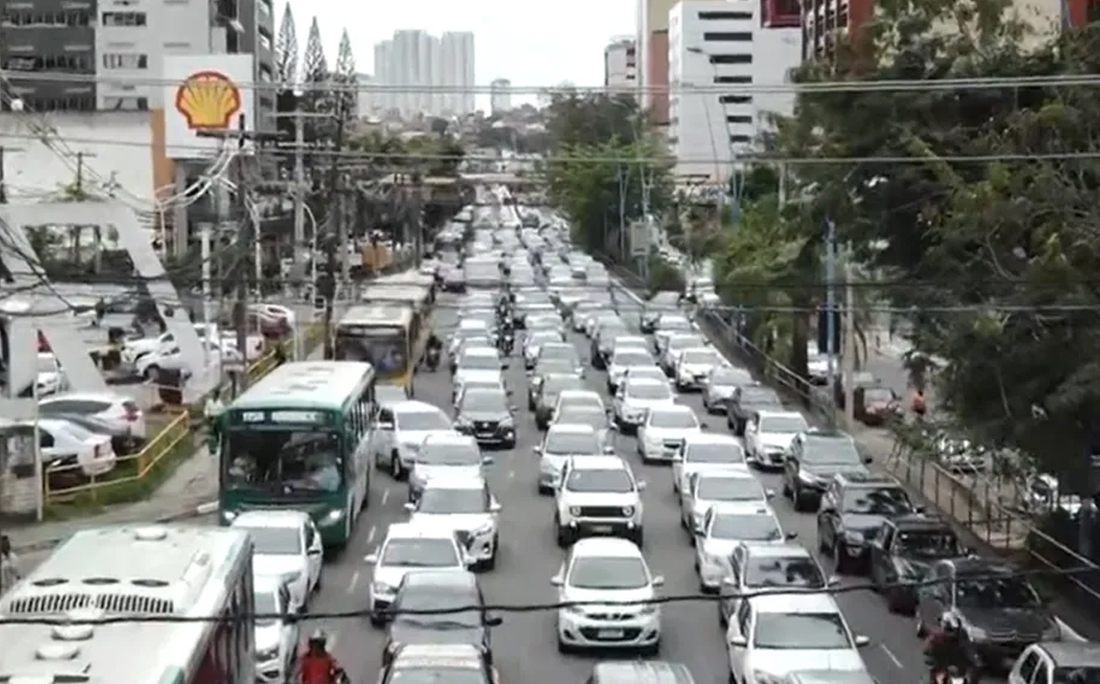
[[212, 412], [919, 404], [9, 564]]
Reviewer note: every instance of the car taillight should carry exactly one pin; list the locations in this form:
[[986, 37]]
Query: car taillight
[[132, 414]]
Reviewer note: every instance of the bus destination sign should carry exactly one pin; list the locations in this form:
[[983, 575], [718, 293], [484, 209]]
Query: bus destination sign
[[282, 417]]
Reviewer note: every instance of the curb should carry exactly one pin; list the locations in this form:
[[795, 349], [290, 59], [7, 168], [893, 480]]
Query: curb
[[176, 516]]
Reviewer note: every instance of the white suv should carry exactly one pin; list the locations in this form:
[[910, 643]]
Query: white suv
[[768, 436], [636, 397], [411, 547], [661, 435], [598, 495], [597, 574]]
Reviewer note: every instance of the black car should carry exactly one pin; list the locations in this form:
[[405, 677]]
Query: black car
[[433, 590], [814, 457], [853, 509], [744, 401], [903, 551], [486, 414], [999, 612]]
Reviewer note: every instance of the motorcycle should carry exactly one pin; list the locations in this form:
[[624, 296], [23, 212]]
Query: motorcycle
[[431, 358], [507, 342]]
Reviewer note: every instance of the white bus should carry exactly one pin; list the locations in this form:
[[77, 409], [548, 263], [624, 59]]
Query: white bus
[[135, 572]]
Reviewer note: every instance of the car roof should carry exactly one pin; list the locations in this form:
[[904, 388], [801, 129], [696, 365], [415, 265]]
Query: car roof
[[421, 529], [579, 394], [470, 481], [712, 438], [443, 656], [726, 474], [412, 406], [571, 428], [771, 550], [267, 584], [641, 672], [448, 577], [1072, 653], [646, 381], [794, 603], [742, 508], [606, 546], [110, 397], [773, 413], [449, 437], [480, 351], [599, 463], [672, 408], [270, 518]]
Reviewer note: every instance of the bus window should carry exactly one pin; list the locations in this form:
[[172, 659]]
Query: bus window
[[305, 460]]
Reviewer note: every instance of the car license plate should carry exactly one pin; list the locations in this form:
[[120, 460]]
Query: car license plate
[[602, 529], [610, 634], [485, 435]]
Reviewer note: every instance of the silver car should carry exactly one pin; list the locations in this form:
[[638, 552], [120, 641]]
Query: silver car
[[720, 384], [708, 489]]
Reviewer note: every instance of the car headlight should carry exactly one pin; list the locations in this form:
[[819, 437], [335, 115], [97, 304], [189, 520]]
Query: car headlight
[[486, 528], [806, 477], [648, 609], [976, 633], [333, 516], [574, 510], [267, 654], [853, 536], [628, 510], [508, 422], [575, 610], [383, 588]]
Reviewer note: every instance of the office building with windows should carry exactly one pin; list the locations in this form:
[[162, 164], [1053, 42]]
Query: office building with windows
[[726, 47], [418, 73], [500, 96], [620, 65]]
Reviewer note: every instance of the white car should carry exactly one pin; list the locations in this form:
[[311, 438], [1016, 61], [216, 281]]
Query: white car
[[598, 495], [570, 398], [721, 384], [622, 360], [581, 313], [706, 452], [772, 635], [50, 379], [635, 399], [768, 436], [446, 455], [561, 351], [594, 321], [132, 350], [407, 548], [399, 430], [667, 325], [562, 442], [705, 489], [116, 410], [676, 343], [65, 447], [593, 417], [285, 545], [724, 526], [663, 431], [276, 639], [693, 365], [533, 343], [478, 362], [598, 574], [466, 505], [149, 364], [650, 372]]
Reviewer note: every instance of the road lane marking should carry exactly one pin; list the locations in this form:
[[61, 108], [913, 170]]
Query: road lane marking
[[385, 496], [354, 581], [892, 657], [370, 535]]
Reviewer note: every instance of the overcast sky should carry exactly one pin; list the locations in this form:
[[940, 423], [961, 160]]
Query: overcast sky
[[529, 43]]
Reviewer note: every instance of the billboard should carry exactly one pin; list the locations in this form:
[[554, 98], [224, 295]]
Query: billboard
[[205, 93]]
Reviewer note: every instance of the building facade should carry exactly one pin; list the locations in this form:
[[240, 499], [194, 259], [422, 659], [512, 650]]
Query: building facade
[[418, 73], [500, 96], [725, 49], [114, 49], [458, 79], [620, 65]]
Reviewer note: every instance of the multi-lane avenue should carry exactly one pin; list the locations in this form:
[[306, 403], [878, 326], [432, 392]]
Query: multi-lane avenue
[[525, 644]]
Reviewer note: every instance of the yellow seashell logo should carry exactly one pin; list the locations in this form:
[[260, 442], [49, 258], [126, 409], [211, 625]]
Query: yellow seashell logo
[[208, 100]]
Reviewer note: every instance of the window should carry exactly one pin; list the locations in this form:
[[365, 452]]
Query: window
[[124, 19], [125, 61], [740, 36], [733, 79], [265, 42], [50, 19], [735, 99], [126, 104], [1028, 667], [739, 119], [732, 59], [726, 15], [741, 139]]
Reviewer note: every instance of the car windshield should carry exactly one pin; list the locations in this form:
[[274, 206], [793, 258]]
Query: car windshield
[[564, 443], [286, 462], [632, 357], [668, 323], [679, 420], [833, 451], [479, 383], [878, 395], [610, 331], [582, 415], [423, 597], [479, 362], [556, 384], [547, 366], [729, 377], [729, 454], [429, 674], [590, 480], [558, 351], [608, 573], [798, 631], [745, 527], [1088, 674], [783, 425], [648, 371], [422, 420], [988, 593], [421, 553], [275, 541], [544, 337], [759, 396], [449, 454], [687, 342], [888, 501], [267, 607], [485, 401], [702, 357], [796, 571], [712, 488], [927, 543], [445, 501]]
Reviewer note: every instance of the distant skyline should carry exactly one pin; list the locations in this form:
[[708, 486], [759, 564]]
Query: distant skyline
[[539, 45]]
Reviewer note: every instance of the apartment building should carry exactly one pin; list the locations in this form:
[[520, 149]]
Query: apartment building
[[500, 96], [727, 45], [419, 73], [114, 49], [457, 74], [620, 64]]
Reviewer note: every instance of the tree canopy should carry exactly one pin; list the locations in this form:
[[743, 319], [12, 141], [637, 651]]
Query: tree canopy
[[975, 204]]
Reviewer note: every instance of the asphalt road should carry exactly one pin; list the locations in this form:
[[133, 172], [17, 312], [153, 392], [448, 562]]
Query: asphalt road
[[529, 557]]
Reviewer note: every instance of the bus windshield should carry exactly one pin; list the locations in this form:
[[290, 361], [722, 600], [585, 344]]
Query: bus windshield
[[384, 348], [286, 461]]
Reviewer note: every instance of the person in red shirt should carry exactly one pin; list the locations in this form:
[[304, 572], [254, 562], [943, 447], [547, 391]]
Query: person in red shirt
[[317, 665]]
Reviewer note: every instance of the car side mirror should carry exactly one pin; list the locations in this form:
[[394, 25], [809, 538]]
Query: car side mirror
[[505, 366], [614, 427], [641, 486], [610, 450], [658, 581], [537, 449], [512, 408], [486, 460], [410, 507], [729, 583], [495, 507], [770, 493], [385, 426], [738, 641], [315, 551], [791, 535], [862, 641], [832, 581], [371, 558], [677, 459], [556, 581]]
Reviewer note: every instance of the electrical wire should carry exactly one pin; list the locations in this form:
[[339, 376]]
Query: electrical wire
[[843, 86], [522, 608]]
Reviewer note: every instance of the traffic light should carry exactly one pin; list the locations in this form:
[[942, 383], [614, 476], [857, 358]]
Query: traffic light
[[823, 316]]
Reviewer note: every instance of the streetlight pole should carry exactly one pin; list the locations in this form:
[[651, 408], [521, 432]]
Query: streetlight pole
[[734, 181]]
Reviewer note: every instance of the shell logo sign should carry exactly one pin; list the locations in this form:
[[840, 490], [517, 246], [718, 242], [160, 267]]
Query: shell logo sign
[[208, 100]]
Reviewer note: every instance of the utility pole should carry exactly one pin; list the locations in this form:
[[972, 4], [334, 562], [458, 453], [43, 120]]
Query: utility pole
[[299, 187], [80, 156], [849, 357], [830, 304], [335, 218], [418, 216]]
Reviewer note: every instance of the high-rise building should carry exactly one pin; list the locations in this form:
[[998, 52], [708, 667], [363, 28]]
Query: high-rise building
[[727, 45], [500, 96], [383, 74], [458, 73], [652, 56], [620, 65], [114, 51], [437, 74]]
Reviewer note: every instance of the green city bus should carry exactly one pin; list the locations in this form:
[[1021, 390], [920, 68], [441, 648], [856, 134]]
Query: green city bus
[[299, 438]]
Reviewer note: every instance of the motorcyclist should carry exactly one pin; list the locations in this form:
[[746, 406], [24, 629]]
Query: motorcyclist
[[506, 335], [317, 665], [434, 349], [946, 648]]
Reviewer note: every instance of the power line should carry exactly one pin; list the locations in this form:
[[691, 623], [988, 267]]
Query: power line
[[873, 86], [634, 159]]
